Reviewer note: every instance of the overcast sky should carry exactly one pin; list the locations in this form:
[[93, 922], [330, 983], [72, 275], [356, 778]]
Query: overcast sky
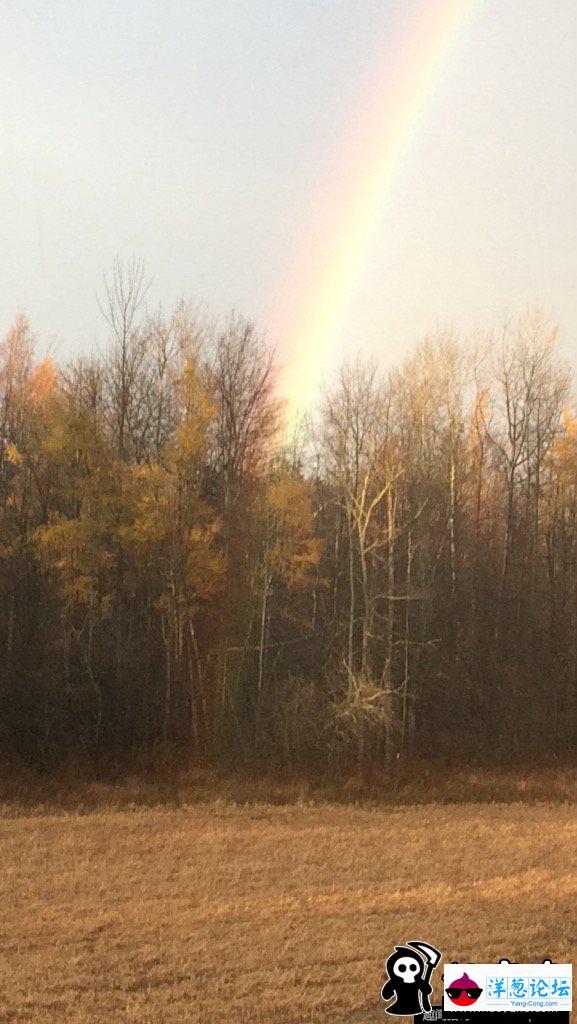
[[198, 135]]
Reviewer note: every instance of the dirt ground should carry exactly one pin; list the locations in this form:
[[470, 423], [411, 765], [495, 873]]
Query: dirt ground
[[265, 914]]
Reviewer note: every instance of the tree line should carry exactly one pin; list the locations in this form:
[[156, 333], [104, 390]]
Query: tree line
[[180, 574]]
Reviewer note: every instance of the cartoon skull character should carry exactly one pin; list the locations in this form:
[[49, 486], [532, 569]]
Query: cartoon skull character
[[406, 982]]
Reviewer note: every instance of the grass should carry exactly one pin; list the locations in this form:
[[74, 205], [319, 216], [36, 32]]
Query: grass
[[263, 913], [73, 788]]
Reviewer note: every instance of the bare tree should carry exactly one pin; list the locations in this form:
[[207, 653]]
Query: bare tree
[[127, 375]]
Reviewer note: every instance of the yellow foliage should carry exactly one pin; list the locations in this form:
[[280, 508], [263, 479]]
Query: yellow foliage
[[480, 416], [570, 424], [171, 524], [296, 551], [42, 382], [13, 455], [199, 411], [563, 453], [204, 565]]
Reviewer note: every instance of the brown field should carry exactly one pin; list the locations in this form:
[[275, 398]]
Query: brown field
[[256, 914]]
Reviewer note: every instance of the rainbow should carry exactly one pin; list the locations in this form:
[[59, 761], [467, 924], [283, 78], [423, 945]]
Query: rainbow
[[311, 314]]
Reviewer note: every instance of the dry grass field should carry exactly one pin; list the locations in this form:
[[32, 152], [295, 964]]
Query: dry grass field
[[257, 914]]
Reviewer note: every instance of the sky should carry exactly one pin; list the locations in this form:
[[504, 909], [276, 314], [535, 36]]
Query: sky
[[205, 135]]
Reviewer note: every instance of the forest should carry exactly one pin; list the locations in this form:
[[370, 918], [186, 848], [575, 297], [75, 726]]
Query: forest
[[181, 573]]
